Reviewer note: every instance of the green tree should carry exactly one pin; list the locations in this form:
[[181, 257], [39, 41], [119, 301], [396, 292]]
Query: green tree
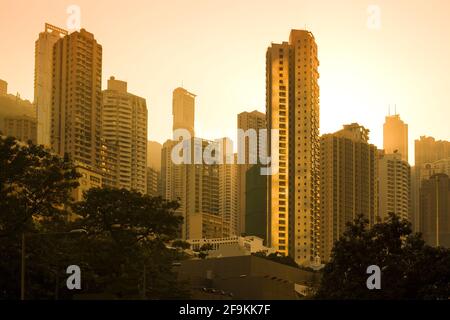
[[409, 268]]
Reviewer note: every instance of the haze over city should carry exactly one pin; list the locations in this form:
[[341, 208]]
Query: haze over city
[[216, 49]]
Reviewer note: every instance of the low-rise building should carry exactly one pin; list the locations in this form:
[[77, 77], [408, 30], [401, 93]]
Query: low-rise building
[[231, 246], [247, 277]]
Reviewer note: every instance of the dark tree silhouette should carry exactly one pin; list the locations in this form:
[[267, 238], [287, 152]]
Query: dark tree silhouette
[[409, 268]]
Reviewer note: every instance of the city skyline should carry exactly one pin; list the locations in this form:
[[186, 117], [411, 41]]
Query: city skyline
[[377, 76]]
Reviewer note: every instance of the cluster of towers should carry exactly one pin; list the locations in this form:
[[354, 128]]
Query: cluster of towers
[[322, 182]]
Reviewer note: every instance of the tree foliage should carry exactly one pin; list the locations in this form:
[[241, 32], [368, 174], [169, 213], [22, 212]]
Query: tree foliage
[[131, 230], [33, 184], [35, 188], [124, 254], [409, 268]]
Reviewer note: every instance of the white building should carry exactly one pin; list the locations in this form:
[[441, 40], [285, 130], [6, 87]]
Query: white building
[[232, 246]]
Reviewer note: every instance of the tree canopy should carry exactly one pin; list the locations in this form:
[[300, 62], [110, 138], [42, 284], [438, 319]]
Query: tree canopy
[[123, 254], [409, 268]]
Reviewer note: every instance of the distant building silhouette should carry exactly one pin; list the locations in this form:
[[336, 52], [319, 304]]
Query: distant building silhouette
[[427, 151], [247, 120], [435, 210], [183, 110], [17, 116], [256, 203], [395, 136]]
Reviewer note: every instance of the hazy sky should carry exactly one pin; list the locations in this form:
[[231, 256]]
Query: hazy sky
[[217, 50]]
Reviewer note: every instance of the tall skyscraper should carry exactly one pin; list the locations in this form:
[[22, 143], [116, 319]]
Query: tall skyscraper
[[429, 169], [200, 187], [292, 99], [348, 182], [394, 185], [3, 88], [124, 124], [228, 192], [427, 150], [247, 120], [154, 183], [395, 136], [43, 66], [256, 203], [174, 177], [435, 210], [183, 110], [170, 174], [77, 98]]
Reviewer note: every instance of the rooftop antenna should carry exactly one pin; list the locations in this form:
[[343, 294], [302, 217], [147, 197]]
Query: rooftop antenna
[[395, 109], [389, 109]]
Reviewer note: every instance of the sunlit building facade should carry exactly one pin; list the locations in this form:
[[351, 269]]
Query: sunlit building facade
[[77, 98], [43, 73], [395, 136], [292, 101], [183, 110]]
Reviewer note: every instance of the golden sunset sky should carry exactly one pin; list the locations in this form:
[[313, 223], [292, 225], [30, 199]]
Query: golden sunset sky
[[216, 49]]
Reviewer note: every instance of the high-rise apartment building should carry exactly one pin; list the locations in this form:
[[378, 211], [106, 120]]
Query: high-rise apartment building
[[153, 182], [17, 118], [124, 124], [43, 67], [292, 99], [200, 187], [207, 189], [173, 176], [228, 191], [427, 151], [77, 98], [256, 121], [3, 88], [170, 173], [154, 155], [183, 110], [429, 169], [435, 210], [348, 182], [394, 186], [256, 203], [395, 136]]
